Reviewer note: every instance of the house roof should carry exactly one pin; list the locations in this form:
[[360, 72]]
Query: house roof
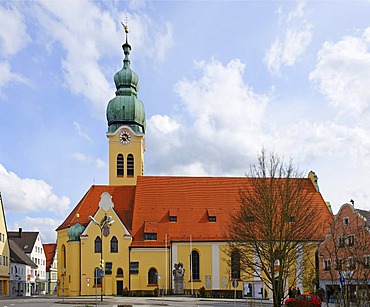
[[365, 214], [195, 199], [192, 200], [24, 239], [18, 256], [49, 250], [122, 197]]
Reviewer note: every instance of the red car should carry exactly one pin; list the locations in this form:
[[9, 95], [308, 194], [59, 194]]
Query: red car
[[303, 300]]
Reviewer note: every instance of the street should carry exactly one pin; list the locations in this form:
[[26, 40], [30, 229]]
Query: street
[[129, 301]]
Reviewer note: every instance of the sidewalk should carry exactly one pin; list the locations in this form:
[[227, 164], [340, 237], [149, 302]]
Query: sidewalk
[[152, 301]]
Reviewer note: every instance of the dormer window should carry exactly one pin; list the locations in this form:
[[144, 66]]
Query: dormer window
[[150, 236], [150, 231], [211, 215], [346, 221], [172, 216]]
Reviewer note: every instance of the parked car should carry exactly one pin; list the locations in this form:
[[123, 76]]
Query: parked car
[[303, 300]]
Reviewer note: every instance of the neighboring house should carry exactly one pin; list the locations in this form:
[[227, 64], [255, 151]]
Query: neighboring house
[[50, 250], [30, 242], [21, 266], [4, 253], [159, 220], [345, 256]]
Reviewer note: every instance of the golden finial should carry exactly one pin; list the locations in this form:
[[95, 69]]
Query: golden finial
[[125, 25]]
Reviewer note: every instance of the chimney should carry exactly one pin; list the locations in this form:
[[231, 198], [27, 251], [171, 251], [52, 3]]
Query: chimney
[[20, 233]]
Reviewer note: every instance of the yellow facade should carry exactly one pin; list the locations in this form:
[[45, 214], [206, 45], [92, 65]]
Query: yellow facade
[[4, 254], [126, 142], [80, 260], [214, 269]]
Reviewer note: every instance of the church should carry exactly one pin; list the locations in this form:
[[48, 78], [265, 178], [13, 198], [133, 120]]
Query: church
[[142, 232]]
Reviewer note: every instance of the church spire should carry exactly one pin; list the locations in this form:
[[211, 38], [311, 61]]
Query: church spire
[[126, 108]]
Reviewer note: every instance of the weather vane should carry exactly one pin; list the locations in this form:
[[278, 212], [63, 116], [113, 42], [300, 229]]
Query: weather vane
[[125, 26]]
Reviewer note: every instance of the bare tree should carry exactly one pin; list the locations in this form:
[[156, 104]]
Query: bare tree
[[276, 230]]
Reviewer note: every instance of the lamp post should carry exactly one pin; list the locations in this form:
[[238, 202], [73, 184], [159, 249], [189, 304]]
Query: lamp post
[[104, 225]]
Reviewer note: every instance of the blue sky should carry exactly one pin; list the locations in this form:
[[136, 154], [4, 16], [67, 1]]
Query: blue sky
[[219, 80]]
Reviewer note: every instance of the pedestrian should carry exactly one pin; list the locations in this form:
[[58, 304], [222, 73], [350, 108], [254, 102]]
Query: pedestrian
[[290, 292], [298, 291]]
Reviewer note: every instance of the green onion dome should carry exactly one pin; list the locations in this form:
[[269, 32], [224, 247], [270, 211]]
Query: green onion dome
[[126, 108]]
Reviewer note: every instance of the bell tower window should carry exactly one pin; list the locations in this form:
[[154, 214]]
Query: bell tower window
[[130, 165], [120, 165]]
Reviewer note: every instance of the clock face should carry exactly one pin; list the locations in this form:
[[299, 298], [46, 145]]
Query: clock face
[[124, 137]]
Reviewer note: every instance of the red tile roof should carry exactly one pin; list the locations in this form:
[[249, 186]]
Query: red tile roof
[[122, 197], [192, 200], [49, 250]]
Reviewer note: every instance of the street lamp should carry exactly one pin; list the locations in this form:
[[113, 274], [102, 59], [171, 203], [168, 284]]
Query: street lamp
[[104, 225]]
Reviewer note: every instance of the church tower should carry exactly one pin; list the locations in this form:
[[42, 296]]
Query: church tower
[[126, 126]]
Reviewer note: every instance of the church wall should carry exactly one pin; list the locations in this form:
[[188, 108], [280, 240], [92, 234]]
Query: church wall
[[73, 268], [148, 258], [62, 239], [90, 260], [213, 268]]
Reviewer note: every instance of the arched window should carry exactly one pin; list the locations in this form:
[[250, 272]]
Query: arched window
[[114, 245], [97, 245], [119, 272], [63, 256], [235, 264], [120, 165], [195, 265], [97, 277], [130, 165], [152, 277]]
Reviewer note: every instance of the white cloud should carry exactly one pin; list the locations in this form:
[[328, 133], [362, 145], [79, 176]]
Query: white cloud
[[298, 12], [96, 162], [219, 97], [81, 131], [24, 195], [342, 73], [45, 225], [218, 111], [297, 37], [191, 169], [13, 35], [88, 32], [137, 4], [164, 43], [6, 75]]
